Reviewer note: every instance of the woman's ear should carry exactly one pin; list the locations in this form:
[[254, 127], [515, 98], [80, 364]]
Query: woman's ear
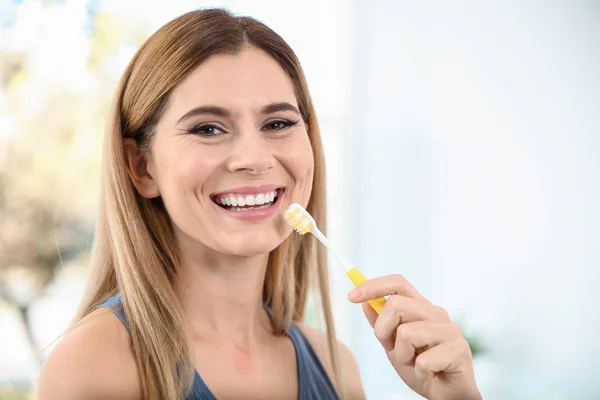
[[137, 167]]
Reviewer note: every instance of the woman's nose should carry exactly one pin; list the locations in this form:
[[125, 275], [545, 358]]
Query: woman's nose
[[251, 153]]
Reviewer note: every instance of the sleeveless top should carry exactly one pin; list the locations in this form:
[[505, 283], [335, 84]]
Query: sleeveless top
[[313, 381]]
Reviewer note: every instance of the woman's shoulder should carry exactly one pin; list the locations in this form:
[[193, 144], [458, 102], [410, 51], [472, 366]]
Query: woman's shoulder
[[92, 360], [348, 366]]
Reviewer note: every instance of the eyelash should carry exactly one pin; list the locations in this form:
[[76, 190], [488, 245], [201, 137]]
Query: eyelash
[[198, 129]]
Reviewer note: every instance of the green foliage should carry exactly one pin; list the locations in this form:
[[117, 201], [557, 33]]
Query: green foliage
[[49, 165], [10, 393], [475, 340]]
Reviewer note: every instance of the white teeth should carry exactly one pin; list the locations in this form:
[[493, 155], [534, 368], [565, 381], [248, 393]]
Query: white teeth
[[238, 201], [250, 208]]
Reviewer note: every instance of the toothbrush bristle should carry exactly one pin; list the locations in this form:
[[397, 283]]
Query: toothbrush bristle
[[299, 219]]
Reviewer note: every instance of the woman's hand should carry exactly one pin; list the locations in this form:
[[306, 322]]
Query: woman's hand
[[427, 350]]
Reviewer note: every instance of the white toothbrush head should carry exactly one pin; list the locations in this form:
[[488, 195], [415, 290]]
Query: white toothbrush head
[[299, 219]]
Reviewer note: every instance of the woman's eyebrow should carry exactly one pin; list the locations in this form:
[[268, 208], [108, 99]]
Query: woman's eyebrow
[[205, 110], [282, 106], [222, 112]]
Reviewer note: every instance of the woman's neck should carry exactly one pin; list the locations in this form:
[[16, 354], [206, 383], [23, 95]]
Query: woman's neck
[[221, 296]]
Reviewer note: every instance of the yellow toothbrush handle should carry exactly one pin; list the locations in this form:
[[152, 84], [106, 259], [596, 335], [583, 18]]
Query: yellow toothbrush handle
[[357, 278]]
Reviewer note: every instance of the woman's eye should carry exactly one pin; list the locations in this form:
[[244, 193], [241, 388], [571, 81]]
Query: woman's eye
[[206, 130], [278, 125]]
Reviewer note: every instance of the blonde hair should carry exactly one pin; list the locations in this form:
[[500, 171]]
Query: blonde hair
[[135, 252]]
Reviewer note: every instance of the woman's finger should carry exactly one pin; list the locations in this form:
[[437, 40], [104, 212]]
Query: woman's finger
[[384, 286], [370, 313], [401, 310], [448, 357], [422, 335]]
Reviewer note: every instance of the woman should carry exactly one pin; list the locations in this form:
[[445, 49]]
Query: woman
[[197, 286]]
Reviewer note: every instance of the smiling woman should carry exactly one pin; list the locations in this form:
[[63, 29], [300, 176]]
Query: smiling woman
[[213, 135], [197, 289]]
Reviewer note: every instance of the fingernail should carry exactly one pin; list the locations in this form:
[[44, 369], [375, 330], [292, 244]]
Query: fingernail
[[355, 294]]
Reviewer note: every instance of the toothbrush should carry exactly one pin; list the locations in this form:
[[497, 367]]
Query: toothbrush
[[303, 222]]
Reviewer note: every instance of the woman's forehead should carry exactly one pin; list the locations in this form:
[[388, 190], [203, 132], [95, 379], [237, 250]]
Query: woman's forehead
[[250, 78]]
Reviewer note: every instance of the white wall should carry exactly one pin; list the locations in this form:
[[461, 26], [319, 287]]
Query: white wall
[[477, 144]]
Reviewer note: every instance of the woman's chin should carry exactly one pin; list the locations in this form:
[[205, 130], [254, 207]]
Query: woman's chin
[[251, 246]]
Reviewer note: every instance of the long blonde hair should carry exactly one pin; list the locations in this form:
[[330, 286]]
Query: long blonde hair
[[135, 252]]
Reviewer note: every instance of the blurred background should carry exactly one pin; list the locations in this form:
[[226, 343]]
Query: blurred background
[[463, 148]]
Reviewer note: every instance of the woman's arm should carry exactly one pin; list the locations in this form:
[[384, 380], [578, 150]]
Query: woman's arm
[[92, 361]]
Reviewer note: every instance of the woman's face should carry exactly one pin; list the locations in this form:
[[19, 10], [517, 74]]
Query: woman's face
[[231, 153]]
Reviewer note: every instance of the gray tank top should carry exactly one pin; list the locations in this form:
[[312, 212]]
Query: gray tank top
[[313, 381]]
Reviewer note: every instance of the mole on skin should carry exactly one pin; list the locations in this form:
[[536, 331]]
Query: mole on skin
[[242, 362]]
